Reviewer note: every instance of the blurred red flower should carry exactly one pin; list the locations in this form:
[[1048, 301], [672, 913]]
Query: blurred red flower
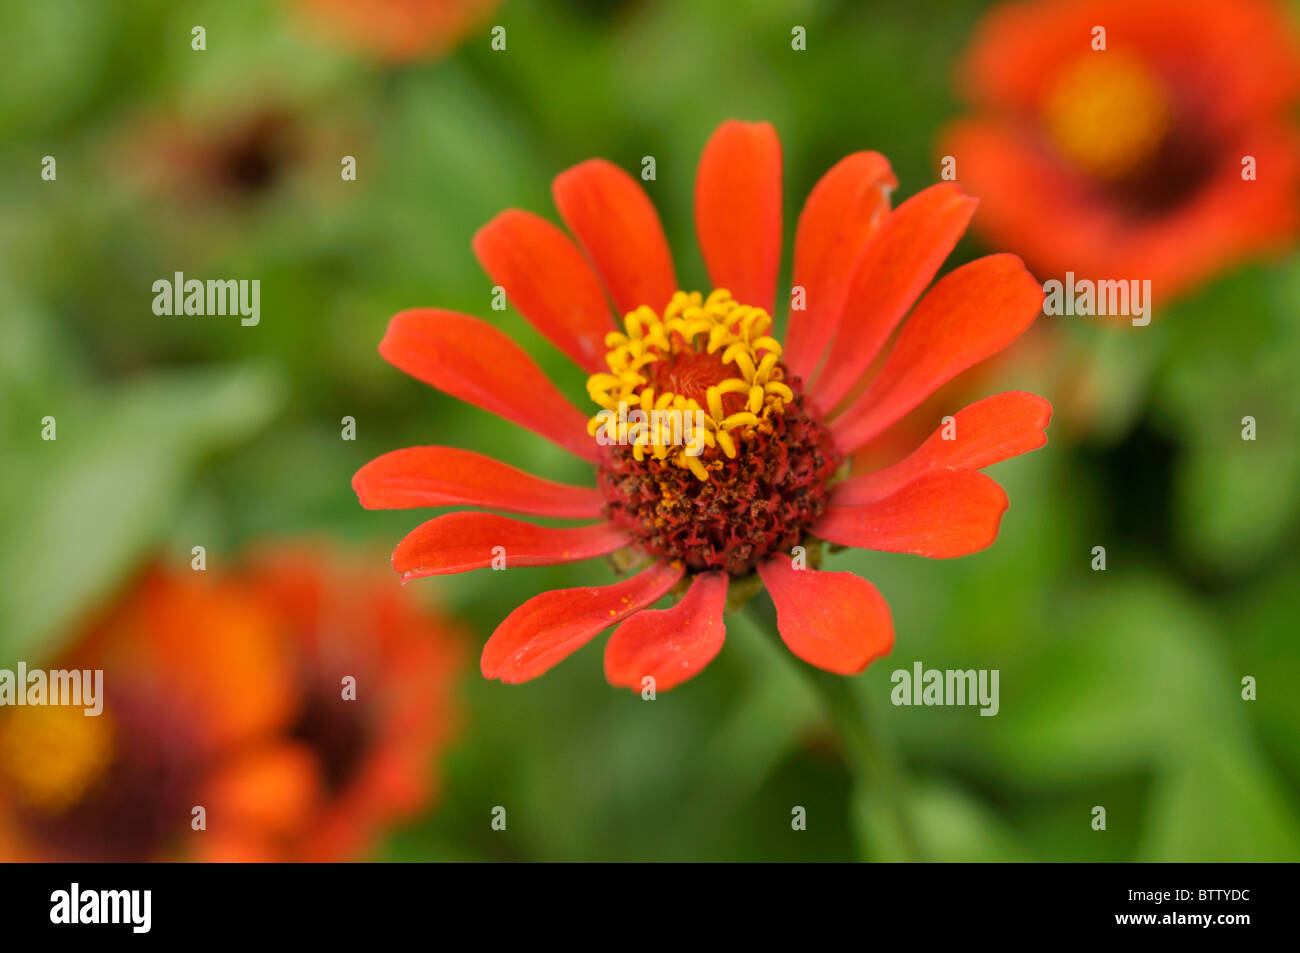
[[226, 692], [400, 30], [1167, 155], [773, 423]]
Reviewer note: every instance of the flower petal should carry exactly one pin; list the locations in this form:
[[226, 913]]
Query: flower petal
[[987, 432], [450, 476], [670, 645], [943, 514], [898, 264], [551, 626], [269, 788], [834, 620], [618, 227], [970, 314], [459, 542], [738, 210], [547, 278], [842, 213], [470, 359]]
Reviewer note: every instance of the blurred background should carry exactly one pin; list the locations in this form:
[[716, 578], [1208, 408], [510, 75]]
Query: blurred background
[[1120, 688]]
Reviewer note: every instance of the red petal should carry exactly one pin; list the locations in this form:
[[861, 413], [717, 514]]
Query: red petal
[[553, 625], [971, 313], [547, 278], [618, 227], [987, 432], [900, 261], [459, 542], [843, 211], [738, 210], [449, 476], [470, 359], [943, 514], [834, 620], [670, 645]]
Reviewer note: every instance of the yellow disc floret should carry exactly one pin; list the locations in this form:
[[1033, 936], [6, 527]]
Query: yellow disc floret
[[50, 755], [697, 377], [1108, 114]]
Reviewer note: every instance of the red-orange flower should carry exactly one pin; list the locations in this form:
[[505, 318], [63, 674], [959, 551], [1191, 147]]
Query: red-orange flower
[[400, 30], [226, 692], [772, 423], [1167, 155]]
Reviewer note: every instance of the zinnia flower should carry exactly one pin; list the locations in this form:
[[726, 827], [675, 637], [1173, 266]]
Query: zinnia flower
[[1166, 156], [224, 692], [776, 422]]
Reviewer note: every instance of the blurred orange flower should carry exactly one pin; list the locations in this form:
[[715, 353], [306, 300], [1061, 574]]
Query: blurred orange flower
[[400, 30], [1132, 138], [230, 693]]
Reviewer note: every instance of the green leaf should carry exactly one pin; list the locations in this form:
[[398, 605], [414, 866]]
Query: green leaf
[[1220, 804], [950, 825], [81, 510]]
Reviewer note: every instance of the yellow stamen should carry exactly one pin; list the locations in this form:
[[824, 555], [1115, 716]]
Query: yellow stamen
[[740, 420], [691, 326], [686, 460], [776, 387]]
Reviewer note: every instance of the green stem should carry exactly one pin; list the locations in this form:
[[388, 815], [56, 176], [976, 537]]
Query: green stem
[[874, 762]]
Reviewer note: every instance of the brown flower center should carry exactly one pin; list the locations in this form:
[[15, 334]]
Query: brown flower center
[[760, 502]]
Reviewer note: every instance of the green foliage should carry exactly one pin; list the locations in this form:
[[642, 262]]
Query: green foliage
[[83, 509], [1119, 688]]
